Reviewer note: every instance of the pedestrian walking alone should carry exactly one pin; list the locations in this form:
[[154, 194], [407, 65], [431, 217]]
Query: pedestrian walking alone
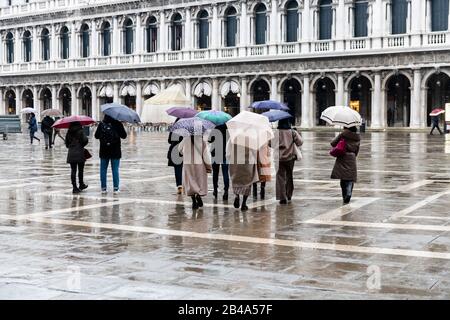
[[175, 159], [76, 140], [345, 167], [289, 141], [196, 166], [435, 124], [33, 127], [243, 172], [218, 140], [47, 130], [263, 160], [110, 132]]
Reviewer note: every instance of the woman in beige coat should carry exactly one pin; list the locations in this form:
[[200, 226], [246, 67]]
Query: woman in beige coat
[[196, 166]]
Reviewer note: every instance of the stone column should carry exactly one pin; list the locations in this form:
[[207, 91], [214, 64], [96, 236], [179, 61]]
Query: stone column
[[18, 52], [54, 43], [96, 113], [340, 21], [75, 107], [162, 32], [376, 102], [378, 22], [274, 28], [138, 97], [188, 30], [35, 56], [340, 90], [214, 35], [243, 31], [2, 103], [306, 103], [306, 27], [139, 35], [417, 18], [36, 101], [188, 91], [116, 98], [55, 98], [274, 88], [244, 94], [115, 37], [215, 94], [73, 41], [95, 40], [19, 102], [416, 106]]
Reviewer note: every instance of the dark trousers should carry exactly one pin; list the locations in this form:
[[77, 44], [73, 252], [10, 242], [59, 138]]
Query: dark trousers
[[48, 139], [73, 175], [226, 176], [435, 126], [32, 137], [179, 174], [285, 180], [347, 188], [255, 189]]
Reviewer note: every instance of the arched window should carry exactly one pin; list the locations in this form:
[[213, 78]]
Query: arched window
[[65, 46], [230, 27], [152, 35], [177, 32], [203, 29], [128, 37], [292, 21], [45, 45], [106, 39], [325, 19], [27, 46], [260, 24], [85, 41], [439, 15], [361, 16], [9, 48], [399, 14]]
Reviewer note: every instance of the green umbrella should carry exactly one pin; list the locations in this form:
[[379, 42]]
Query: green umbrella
[[216, 117]]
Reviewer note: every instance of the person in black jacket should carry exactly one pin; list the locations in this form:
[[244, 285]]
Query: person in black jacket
[[109, 132], [76, 140], [47, 130], [218, 140], [175, 160]]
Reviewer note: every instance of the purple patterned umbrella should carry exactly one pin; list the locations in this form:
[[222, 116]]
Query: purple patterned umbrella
[[191, 127], [275, 115], [269, 104], [181, 112]]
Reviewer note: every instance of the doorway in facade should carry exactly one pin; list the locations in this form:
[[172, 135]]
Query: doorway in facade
[[27, 99], [86, 101], [130, 101], [292, 98], [203, 103], [46, 99], [65, 96], [438, 93], [260, 91], [361, 96], [325, 97], [232, 103], [10, 102], [398, 101]]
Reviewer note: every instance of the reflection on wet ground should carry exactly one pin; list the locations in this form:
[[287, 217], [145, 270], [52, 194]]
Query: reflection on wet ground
[[393, 241]]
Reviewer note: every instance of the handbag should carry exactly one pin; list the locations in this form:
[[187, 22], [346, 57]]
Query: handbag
[[340, 149], [87, 154], [297, 153]]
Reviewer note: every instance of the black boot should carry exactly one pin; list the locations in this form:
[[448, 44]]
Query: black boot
[[215, 193], [244, 204], [255, 191], [263, 191], [83, 186], [225, 195], [237, 202], [75, 190], [194, 203], [199, 201]]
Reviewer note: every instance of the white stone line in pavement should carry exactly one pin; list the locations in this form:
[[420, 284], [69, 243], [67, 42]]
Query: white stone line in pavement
[[427, 218], [343, 210], [22, 185], [72, 209], [414, 185], [246, 239], [419, 205], [380, 225]]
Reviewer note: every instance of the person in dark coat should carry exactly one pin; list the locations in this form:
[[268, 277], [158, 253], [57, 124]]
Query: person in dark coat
[[435, 124], [76, 140], [218, 140], [32, 126], [110, 132], [345, 167], [47, 130], [175, 159]]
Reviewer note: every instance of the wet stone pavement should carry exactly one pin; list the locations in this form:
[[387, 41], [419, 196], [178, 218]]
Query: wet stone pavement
[[392, 242]]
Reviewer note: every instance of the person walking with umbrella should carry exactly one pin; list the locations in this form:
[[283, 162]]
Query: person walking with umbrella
[[218, 140], [110, 132], [33, 127], [435, 120], [264, 171], [196, 157], [47, 130], [289, 140], [75, 141], [175, 159]]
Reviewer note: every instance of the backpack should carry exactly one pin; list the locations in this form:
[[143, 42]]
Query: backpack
[[108, 135], [340, 149]]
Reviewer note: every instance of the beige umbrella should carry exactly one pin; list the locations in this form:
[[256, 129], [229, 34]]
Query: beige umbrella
[[154, 109], [250, 130], [51, 113]]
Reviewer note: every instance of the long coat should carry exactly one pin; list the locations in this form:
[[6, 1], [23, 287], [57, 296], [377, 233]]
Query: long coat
[[33, 125], [243, 166], [345, 167], [196, 165], [76, 140]]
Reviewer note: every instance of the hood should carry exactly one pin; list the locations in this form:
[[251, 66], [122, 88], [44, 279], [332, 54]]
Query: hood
[[351, 135], [108, 119]]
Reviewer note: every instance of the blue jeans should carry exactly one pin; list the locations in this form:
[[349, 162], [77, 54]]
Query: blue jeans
[[115, 172]]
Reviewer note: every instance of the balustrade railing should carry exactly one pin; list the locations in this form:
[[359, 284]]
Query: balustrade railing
[[437, 38]]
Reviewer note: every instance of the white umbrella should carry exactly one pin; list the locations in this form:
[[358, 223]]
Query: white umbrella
[[341, 116], [154, 109], [250, 129], [29, 110], [51, 113]]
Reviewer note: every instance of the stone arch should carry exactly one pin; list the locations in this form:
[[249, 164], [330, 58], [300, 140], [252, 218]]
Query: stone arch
[[355, 75], [393, 73], [330, 76], [432, 72], [288, 77]]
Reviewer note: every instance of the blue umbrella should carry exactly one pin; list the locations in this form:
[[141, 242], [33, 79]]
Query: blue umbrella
[[191, 127], [269, 104], [218, 117], [120, 112], [275, 115]]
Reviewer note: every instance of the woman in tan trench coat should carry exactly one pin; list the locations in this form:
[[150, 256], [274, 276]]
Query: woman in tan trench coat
[[196, 166], [345, 167]]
